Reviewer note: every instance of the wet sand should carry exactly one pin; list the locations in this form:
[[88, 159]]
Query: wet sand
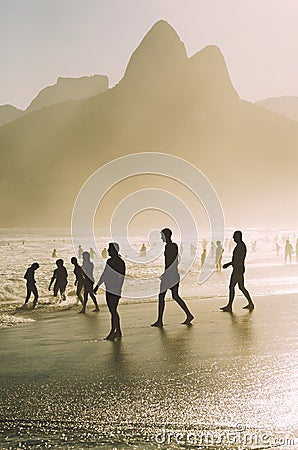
[[64, 386]]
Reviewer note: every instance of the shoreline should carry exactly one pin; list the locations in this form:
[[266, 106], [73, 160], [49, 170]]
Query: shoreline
[[44, 311]]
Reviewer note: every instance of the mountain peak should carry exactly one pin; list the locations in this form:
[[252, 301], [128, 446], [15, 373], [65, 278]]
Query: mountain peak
[[162, 26], [159, 54], [165, 32], [9, 113], [210, 74]]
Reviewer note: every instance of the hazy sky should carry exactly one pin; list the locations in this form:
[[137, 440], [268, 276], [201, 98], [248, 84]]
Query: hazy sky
[[41, 40]]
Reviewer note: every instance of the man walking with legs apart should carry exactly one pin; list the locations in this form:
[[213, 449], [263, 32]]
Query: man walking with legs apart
[[88, 268], [31, 284], [60, 278], [79, 282], [237, 276], [170, 280]]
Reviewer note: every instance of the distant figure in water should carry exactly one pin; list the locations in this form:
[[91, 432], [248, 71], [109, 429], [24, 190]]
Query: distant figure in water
[[212, 249], [31, 284], [143, 250], [113, 278], [104, 253], [54, 254], [92, 253], [193, 249], [170, 280], [297, 250], [88, 268], [218, 256], [203, 257], [80, 252], [237, 276], [288, 251], [254, 246], [79, 282], [60, 277], [278, 247]]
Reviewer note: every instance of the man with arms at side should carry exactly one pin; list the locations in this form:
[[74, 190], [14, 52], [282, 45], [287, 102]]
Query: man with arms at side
[[237, 276], [170, 280]]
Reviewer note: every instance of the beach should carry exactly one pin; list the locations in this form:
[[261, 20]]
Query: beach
[[149, 158], [64, 386]]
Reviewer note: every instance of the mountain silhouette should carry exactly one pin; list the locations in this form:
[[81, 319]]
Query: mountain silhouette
[[69, 89], [286, 105], [65, 89], [165, 102], [210, 78], [9, 113], [156, 60]]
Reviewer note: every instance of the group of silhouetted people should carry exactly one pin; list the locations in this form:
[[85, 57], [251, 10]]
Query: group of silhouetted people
[[114, 273], [112, 276], [216, 254]]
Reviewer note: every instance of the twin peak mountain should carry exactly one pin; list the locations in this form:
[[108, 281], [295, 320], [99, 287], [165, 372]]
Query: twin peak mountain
[[159, 67], [160, 63], [165, 102]]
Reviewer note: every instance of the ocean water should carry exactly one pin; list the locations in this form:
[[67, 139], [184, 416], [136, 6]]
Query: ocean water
[[266, 272]]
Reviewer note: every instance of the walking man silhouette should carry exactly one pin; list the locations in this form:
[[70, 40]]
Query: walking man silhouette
[[31, 284], [170, 279], [218, 256], [113, 278], [88, 268], [60, 278], [237, 276], [79, 282], [288, 251]]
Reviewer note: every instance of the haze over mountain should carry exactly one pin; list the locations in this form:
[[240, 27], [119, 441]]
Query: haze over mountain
[[69, 89], [286, 105], [8, 113], [166, 102], [64, 89]]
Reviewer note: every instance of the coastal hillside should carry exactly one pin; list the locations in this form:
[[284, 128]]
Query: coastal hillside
[[166, 102]]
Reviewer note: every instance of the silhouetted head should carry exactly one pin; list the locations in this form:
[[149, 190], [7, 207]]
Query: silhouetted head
[[237, 236], [113, 249], [35, 265], [287, 241], [218, 243], [86, 256], [74, 260], [166, 234], [59, 262]]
